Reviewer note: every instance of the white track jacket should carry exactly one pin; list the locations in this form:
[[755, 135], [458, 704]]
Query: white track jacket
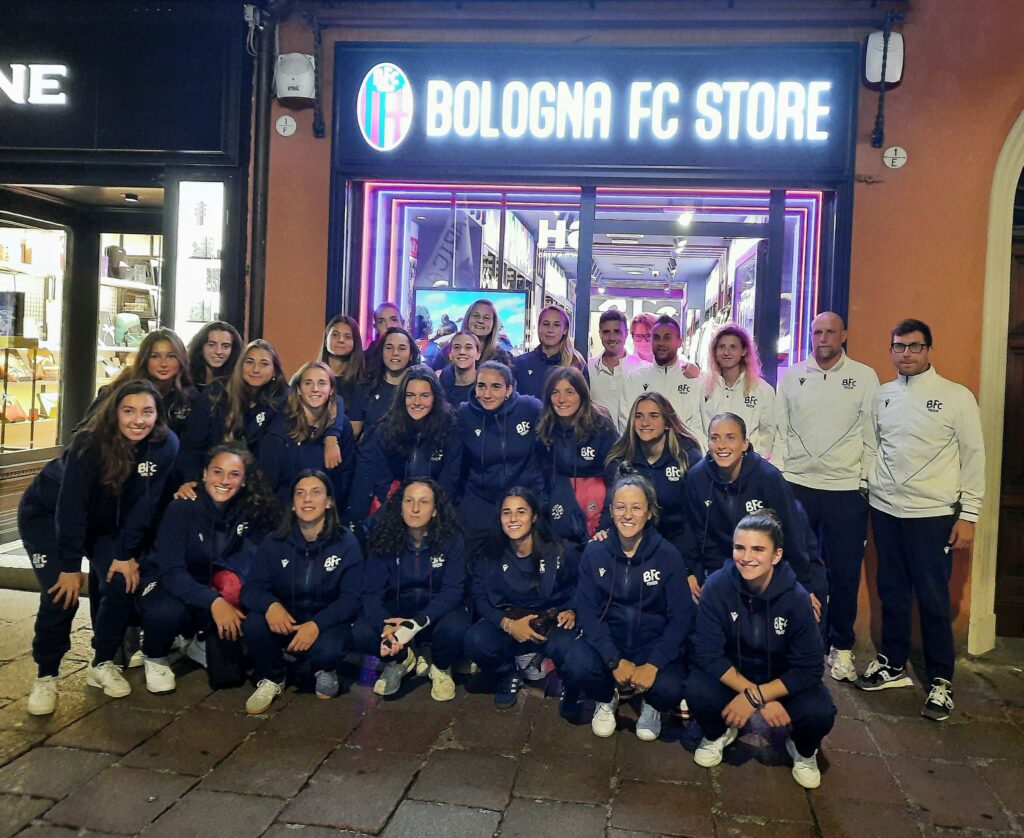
[[756, 408], [824, 436], [930, 457], [682, 393]]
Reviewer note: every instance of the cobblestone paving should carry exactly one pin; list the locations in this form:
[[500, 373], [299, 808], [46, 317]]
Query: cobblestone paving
[[194, 764]]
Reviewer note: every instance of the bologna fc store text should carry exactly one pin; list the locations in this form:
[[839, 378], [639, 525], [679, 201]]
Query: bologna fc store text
[[712, 184]]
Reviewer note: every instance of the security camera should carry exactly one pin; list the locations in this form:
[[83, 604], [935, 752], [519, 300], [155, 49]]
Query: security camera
[[655, 273]]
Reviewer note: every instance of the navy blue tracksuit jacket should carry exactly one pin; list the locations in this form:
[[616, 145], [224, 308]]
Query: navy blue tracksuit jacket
[[379, 466], [194, 541], [636, 607], [765, 635], [532, 369], [713, 508], [546, 579], [314, 580], [456, 394], [369, 404], [420, 582]]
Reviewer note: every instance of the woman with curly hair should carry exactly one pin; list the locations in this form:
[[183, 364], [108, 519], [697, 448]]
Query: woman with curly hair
[[414, 587], [303, 593], [312, 432], [418, 437], [660, 448], [398, 352], [555, 350], [343, 352], [632, 605], [193, 575], [98, 500], [523, 598], [575, 437], [213, 352], [733, 384]]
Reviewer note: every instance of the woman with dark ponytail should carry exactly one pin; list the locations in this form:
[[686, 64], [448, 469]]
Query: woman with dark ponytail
[[757, 649], [99, 501]]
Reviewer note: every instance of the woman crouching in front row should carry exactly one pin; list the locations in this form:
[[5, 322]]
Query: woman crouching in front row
[[634, 608], [303, 593], [758, 649]]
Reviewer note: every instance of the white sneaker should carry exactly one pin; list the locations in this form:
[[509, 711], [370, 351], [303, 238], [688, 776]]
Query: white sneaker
[[841, 662], [603, 724], [709, 752], [42, 701], [442, 686], [422, 666], [107, 677], [159, 676], [391, 676], [137, 659], [263, 697], [805, 769], [648, 726]]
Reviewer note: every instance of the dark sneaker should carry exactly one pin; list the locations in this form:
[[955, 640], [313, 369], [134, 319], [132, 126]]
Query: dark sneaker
[[569, 707], [939, 704], [880, 676], [508, 687]]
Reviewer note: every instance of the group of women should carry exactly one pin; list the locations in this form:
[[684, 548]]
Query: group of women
[[372, 504]]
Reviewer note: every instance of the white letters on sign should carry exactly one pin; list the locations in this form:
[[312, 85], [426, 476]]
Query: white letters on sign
[[33, 84]]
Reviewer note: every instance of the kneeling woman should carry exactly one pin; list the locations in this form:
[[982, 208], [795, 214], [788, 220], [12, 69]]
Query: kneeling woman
[[523, 598], [415, 573], [191, 579], [636, 616], [303, 593], [757, 649], [99, 501]]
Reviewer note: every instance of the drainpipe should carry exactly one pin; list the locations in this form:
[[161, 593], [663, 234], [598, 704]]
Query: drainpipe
[[267, 29]]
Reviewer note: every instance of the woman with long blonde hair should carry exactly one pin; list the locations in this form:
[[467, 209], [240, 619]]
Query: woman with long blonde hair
[[554, 330], [733, 384]]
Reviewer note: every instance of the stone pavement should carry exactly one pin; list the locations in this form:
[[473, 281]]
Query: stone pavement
[[193, 764]]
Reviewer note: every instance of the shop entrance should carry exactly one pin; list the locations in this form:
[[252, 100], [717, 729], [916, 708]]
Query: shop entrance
[[703, 256]]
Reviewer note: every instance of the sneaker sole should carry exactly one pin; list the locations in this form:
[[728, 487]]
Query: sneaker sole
[[151, 691], [445, 697], [850, 678], [604, 734], [505, 705], [107, 691], [705, 763], [896, 683], [934, 717], [648, 735], [253, 711], [44, 712]]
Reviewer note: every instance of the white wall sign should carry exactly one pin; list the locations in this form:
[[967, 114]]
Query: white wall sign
[[895, 157], [32, 84], [285, 125]]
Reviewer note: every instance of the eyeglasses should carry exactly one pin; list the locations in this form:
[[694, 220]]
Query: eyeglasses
[[641, 338], [915, 348]]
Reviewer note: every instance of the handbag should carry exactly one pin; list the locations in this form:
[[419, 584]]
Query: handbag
[[225, 664], [541, 623]]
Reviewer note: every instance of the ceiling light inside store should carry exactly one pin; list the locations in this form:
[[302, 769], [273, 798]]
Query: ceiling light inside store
[[680, 245], [131, 198], [421, 218], [635, 273], [600, 289], [630, 236], [685, 218]]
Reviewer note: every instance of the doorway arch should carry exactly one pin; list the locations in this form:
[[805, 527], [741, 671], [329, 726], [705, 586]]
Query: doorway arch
[[981, 632]]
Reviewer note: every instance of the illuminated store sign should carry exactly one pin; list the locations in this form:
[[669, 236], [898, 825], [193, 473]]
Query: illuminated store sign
[[753, 107], [32, 84]]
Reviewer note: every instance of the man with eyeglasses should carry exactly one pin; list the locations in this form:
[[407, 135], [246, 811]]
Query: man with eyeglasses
[[824, 444], [674, 377], [609, 369], [925, 490]]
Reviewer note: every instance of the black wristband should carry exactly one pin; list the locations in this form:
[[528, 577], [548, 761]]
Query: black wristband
[[750, 697]]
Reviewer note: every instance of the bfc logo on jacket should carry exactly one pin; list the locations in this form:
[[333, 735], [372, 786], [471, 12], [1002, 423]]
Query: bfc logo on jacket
[[588, 453], [683, 389], [557, 511], [146, 469], [437, 456], [780, 624], [181, 412], [673, 473], [750, 401], [753, 505], [849, 383], [38, 560], [331, 563], [523, 428], [652, 577], [261, 417], [933, 405], [437, 561]]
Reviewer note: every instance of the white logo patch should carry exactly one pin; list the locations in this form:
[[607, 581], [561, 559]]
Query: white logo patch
[[437, 561], [39, 560], [261, 417], [284, 562], [241, 528], [540, 566], [478, 431], [652, 577], [780, 625], [673, 473], [753, 505], [147, 469], [437, 456], [148, 588], [734, 616], [557, 511], [601, 571], [707, 502], [523, 428], [201, 539], [331, 563], [588, 453], [529, 372], [504, 568]]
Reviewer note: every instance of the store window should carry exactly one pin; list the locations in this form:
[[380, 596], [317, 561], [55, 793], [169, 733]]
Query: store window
[[31, 295], [199, 262]]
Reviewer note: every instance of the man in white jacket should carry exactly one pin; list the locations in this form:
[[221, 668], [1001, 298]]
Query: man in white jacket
[[925, 491], [824, 444], [673, 377], [610, 368]]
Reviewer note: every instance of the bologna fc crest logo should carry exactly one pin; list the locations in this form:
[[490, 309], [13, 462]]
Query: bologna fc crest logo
[[384, 107]]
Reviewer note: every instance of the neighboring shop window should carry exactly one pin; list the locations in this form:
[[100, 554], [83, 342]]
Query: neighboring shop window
[[31, 293], [130, 299], [199, 256]]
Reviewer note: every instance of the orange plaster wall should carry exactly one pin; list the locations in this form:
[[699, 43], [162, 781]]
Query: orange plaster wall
[[919, 233]]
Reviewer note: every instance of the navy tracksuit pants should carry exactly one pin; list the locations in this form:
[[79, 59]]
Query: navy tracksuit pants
[[584, 671], [915, 562], [267, 648], [445, 637], [164, 617], [811, 711], [494, 650], [840, 521]]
